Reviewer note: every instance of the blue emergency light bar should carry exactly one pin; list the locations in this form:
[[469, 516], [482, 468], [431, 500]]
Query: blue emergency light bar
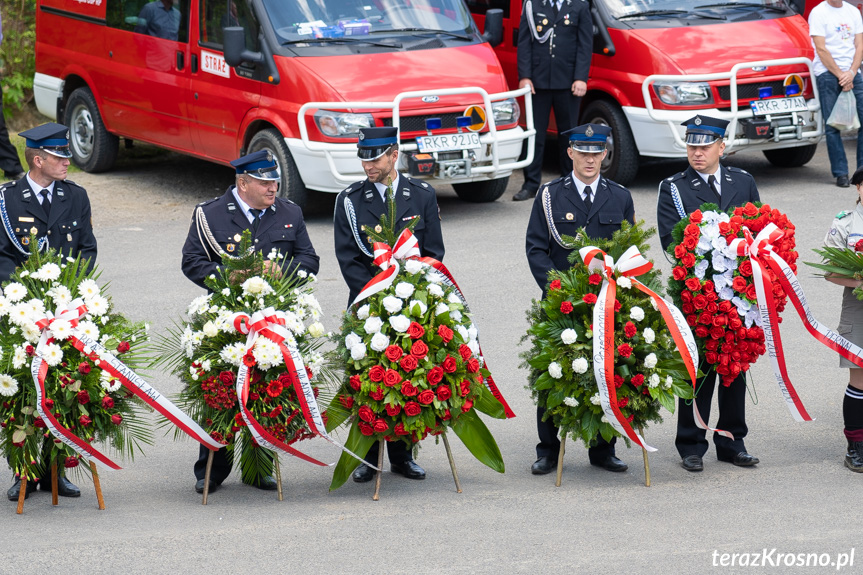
[[792, 89], [765, 92], [433, 124], [463, 121]]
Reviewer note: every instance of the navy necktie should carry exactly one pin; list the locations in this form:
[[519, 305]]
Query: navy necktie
[[588, 201], [711, 181], [256, 214], [46, 202]]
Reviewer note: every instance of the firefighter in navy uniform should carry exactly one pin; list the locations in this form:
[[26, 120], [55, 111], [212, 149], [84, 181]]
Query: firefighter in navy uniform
[[57, 211], [706, 180], [581, 199], [362, 204], [555, 46], [216, 229]]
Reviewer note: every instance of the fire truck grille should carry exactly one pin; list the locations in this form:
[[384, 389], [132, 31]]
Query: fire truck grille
[[418, 123], [750, 91]]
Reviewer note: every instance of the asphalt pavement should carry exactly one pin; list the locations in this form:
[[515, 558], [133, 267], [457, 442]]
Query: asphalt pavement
[[799, 500]]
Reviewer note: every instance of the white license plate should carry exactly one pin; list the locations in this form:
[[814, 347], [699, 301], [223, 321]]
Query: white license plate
[[778, 106], [448, 142]]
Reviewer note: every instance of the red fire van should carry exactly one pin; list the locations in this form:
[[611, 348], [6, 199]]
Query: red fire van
[[219, 78], [657, 63]]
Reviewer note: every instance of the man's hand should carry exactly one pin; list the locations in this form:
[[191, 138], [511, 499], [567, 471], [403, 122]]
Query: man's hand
[[526, 82], [846, 80], [579, 88], [272, 268]]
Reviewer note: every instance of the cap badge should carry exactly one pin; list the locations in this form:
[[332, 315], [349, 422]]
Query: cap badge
[[588, 132], [269, 156], [697, 121], [362, 136]]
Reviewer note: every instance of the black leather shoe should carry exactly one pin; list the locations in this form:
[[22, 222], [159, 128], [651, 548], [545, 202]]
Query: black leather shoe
[[854, 456], [199, 486], [743, 459], [363, 474], [692, 463], [409, 469], [842, 181], [266, 483], [65, 488], [13, 492], [524, 194], [611, 463], [544, 465]]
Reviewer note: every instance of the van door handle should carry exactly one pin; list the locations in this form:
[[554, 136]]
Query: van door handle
[[180, 61], [194, 63]]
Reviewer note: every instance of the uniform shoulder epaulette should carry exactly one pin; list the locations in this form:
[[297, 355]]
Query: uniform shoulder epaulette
[[421, 184], [208, 202], [353, 187], [842, 214], [614, 184], [677, 176], [286, 200], [738, 170], [73, 184]]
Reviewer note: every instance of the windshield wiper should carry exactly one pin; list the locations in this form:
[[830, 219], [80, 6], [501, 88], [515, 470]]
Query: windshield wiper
[[743, 5], [341, 41], [426, 31]]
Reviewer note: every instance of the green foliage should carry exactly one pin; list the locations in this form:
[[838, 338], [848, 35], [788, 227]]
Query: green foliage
[[840, 262], [18, 53], [389, 227]]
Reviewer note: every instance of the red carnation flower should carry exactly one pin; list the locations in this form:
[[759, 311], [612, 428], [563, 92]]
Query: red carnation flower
[[435, 375], [465, 352], [366, 414], [377, 373], [444, 392], [637, 380], [617, 306], [409, 389], [49, 403], [355, 382], [624, 349], [107, 402], [84, 368], [412, 408], [445, 333], [393, 352], [123, 347], [84, 421], [555, 285], [409, 363], [419, 349], [426, 396], [566, 307], [415, 330], [392, 378], [275, 388], [623, 402], [449, 364], [594, 279], [393, 410], [589, 298], [38, 422], [116, 419], [70, 462], [381, 425], [618, 381], [629, 330], [83, 397], [377, 395]]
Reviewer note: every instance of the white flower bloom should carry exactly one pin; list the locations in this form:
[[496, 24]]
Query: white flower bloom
[[595, 399], [19, 358], [363, 312], [413, 266], [455, 315], [603, 419], [435, 290], [650, 361], [379, 342], [316, 329], [404, 290], [294, 323], [668, 382], [233, 353], [206, 365], [5, 306], [88, 288], [472, 332], [267, 354], [414, 303], [624, 282], [554, 370], [104, 319], [48, 272], [358, 351], [97, 305], [570, 401], [463, 332], [256, 285], [473, 345], [60, 294], [273, 254], [108, 382], [648, 335], [210, 329], [568, 336], [31, 332], [636, 313], [226, 292], [701, 268], [392, 304], [304, 274], [37, 307], [52, 355], [352, 339], [579, 365], [8, 385], [434, 276], [653, 381], [15, 292], [20, 314], [441, 309], [373, 324], [400, 322], [199, 304], [452, 298], [61, 329]]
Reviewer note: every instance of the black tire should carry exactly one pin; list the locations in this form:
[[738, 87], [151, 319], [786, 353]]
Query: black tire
[[291, 186], [621, 163], [93, 148], [481, 192], [791, 157]]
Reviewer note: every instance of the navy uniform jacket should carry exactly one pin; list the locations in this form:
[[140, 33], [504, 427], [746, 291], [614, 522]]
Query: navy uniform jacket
[[355, 254], [565, 56], [281, 227], [736, 188], [68, 229], [612, 204]]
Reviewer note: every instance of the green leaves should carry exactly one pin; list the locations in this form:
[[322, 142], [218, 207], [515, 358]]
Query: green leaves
[[360, 445], [478, 440]]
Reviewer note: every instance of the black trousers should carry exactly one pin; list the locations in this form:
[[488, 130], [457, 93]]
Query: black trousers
[[691, 440], [397, 452], [549, 442], [565, 107], [221, 465], [9, 162]]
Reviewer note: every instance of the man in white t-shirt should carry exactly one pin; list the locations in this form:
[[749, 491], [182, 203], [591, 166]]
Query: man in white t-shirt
[[836, 28]]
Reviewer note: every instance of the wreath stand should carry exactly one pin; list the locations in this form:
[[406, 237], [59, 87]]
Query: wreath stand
[[278, 471], [22, 492], [382, 445], [563, 450]]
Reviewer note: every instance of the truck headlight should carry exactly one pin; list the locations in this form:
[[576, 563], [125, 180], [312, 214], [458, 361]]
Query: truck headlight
[[683, 93], [506, 111], [342, 124]]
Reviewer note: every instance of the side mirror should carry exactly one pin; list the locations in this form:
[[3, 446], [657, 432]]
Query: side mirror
[[493, 27], [234, 38]]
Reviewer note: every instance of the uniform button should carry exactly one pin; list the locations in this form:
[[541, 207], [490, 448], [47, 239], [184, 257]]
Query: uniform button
[[49, 232]]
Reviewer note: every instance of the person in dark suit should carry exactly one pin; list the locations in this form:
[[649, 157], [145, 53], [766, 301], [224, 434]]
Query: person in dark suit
[[581, 199], [555, 45], [362, 204], [707, 180], [216, 229], [57, 211]]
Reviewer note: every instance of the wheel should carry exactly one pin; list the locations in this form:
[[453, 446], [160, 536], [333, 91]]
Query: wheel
[[291, 186], [791, 157], [621, 162], [481, 192], [93, 148]]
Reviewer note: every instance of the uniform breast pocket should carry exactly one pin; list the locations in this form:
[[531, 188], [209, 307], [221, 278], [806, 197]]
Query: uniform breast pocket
[[69, 231], [610, 218], [282, 241], [228, 240], [566, 222]]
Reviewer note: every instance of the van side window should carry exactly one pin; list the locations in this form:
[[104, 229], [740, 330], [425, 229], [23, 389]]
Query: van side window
[[166, 19], [219, 14], [482, 6]]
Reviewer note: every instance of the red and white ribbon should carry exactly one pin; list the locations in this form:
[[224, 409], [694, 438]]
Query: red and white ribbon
[[93, 350], [407, 247], [270, 324], [631, 264]]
